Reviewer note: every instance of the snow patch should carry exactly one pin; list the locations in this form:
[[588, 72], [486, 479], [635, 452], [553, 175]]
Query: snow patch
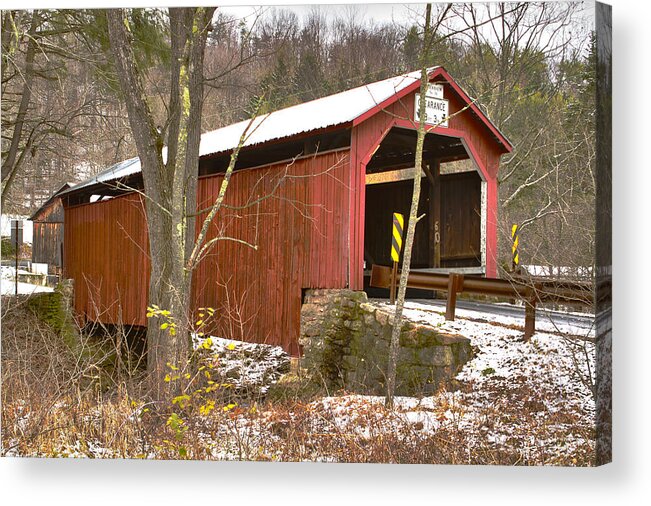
[[252, 368]]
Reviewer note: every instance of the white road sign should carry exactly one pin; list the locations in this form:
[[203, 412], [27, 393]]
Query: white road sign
[[434, 90], [436, 110]]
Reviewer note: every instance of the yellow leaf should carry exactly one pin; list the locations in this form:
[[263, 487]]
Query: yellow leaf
[[231, 346], [199, 322], [164, 326], [180, 399]]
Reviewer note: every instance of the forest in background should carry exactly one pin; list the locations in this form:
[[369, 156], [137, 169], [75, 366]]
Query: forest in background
[[530, 66]]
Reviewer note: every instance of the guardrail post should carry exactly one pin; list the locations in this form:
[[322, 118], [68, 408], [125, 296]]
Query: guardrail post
[[455, 284], [530, 315], [394, 283]]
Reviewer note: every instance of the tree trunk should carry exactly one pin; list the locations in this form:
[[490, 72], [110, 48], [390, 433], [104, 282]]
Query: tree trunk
[[171, 185], [10, 20], [413, 219], [10, 165]]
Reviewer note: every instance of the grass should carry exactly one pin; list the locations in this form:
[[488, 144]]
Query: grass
[[64, 402]]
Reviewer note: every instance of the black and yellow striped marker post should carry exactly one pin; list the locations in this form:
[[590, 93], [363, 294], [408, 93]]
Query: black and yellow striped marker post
[[515, 241], [396, 247]]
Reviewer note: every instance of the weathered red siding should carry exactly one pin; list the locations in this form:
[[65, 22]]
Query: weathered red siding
[[294, 214], [106, 254], [299, 229], [48, 236]]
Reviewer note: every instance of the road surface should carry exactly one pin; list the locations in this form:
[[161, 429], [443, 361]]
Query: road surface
[[546, 319]]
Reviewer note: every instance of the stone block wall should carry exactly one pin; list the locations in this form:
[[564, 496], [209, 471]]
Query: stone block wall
[[346, 338], [55, 309]]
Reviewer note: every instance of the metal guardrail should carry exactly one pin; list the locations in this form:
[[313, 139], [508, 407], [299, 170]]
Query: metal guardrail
[[531, 291]]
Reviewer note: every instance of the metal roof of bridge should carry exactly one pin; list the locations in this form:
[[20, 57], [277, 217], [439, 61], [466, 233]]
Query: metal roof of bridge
[[338, 109]]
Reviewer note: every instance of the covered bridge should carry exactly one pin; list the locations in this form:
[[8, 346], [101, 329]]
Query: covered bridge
[[314, 189]]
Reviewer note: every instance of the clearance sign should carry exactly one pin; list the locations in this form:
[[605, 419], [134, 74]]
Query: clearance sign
[[436, 107]]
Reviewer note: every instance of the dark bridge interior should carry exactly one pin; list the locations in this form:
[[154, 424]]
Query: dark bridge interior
[[449, 236]]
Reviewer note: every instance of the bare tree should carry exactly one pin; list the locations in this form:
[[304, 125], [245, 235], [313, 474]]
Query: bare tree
[[519, 57], [60, 120], [413, 212], [18, 145], [170, 176]]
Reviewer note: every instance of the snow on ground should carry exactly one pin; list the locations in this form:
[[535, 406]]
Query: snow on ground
[[523, 402], [9, 272], [8, 284], [9, 288], [252, 368], [563, 363], [584, 272], [531, 396], [517, 402]]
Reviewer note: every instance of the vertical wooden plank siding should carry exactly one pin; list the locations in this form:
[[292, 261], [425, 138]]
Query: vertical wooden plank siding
[[48, 236], [365, 139], [46, 243], [293, 214], [486, 152], [106, 254], [381, 202], [460, 218]]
